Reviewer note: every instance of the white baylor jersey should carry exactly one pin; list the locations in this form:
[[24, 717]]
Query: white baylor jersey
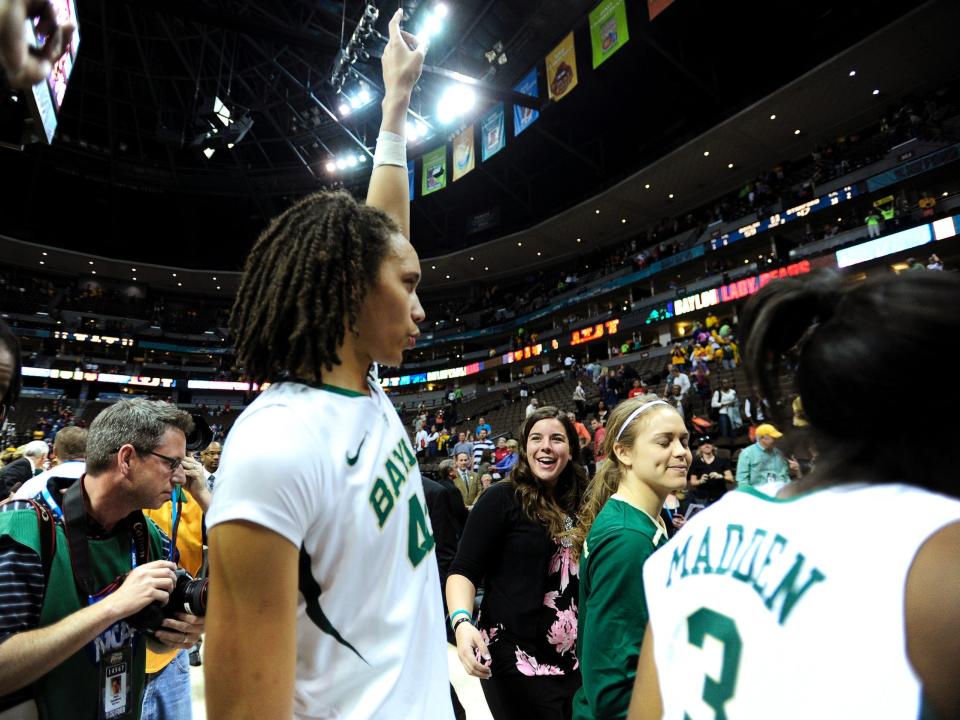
[[791, 609], [333, 472]]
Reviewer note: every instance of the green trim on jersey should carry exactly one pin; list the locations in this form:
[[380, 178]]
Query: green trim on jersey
[[337, 390]]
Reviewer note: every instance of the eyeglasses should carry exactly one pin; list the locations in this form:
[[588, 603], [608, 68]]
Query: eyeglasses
[[174, 463]]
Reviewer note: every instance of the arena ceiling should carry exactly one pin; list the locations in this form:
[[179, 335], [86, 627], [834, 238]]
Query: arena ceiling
[[126, 179]]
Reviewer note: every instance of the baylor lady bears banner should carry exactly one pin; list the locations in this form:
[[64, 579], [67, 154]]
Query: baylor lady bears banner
[[463, 155], [523, 117], [562, 69], [608, 30], [492, 133], [434, 171]]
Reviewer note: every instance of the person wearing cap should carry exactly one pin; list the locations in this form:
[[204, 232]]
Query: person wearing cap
[[709, 474], [763, 464]]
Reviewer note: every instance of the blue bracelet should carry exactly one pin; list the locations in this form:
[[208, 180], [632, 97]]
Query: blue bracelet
[[453, 616]]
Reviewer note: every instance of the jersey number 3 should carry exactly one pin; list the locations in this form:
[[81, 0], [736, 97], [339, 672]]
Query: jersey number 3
[[706, 622], [419, 538]]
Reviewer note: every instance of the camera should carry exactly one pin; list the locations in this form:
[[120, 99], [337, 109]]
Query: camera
[[201, 435], [189, 596]]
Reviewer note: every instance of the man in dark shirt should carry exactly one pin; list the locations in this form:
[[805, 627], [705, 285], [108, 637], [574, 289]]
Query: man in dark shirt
[[709, 474]]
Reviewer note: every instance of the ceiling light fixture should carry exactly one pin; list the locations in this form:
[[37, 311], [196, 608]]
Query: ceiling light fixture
[[706, 153], [797, 131], [773, 117], [730, 165], [876, 92], [852, 73]]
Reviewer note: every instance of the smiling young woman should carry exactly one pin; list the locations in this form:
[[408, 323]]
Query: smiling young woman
[[518, 541], [647, 458]]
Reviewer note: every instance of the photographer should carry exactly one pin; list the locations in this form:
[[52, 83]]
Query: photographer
[[76, 567]]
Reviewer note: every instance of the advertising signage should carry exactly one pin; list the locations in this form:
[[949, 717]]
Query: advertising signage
[[594, 332], [737, 290]]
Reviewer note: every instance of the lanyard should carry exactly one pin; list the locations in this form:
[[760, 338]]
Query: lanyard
[[176, 511], [74, 516]]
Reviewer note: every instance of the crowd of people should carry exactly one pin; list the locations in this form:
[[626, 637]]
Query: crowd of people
[[338, 575]]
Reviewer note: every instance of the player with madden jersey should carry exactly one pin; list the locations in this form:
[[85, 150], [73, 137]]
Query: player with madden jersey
[[839, 597], [327, 599]]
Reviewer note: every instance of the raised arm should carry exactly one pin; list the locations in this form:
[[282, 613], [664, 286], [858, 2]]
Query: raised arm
[[388, 189]]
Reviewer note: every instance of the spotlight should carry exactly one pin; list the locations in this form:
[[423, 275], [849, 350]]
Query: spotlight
[[331, 166], [456, 100]]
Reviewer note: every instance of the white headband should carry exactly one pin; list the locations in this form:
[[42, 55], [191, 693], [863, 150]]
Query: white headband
[[639, 411]]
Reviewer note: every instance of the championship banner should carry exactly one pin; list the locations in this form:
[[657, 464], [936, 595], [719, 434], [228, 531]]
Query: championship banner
[[655, 7], [562, 69], [434, 171], [463, 155], [523, 117], [410, 173], [608, 30], [492, 133]]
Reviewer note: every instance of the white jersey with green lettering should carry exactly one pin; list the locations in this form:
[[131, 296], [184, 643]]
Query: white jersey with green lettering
[[332, 471], [791, 608]]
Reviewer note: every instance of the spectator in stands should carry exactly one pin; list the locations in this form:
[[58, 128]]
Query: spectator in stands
[[210, 459], [619, 528], [709, 474], [421, 441], [681, 379], [19, 471], [637, 389], [55, 645], [726, 404], [22, 63], [502, 451], [463, 477], [485, 481], [761, 464], [602, 411], [432, 439], [481, 445], [678, 356], [874, 223], [682, 403], [599, 438], [70, 451], [934, 263], [482, 424], [462, 446], [503, 467], [518, 542], [580, 398], [531, 407], [582, 431]]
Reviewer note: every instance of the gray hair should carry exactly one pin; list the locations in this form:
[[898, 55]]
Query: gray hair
[[445, 467], [36, 449], [138, 422]]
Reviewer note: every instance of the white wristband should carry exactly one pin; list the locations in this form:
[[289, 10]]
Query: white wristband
[[391, 150]]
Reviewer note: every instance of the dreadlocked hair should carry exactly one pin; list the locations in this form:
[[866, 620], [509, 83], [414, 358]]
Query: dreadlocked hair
[[304, 282], [535, 503], [611, 471]]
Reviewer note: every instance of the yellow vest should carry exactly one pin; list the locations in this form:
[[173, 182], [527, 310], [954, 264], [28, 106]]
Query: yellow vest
[[190, 545]]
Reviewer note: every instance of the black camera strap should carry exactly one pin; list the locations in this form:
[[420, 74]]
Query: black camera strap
[[75, 527]]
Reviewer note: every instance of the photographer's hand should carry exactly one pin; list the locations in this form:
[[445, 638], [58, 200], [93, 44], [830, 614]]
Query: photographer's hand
[[152, 582], [195, 484], [181, 633]]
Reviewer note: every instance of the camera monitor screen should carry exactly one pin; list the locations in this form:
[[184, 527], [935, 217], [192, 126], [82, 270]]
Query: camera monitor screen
[[47, 97]]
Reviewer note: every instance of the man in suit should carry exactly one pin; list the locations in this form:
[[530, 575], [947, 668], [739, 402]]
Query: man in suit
[[19, 471], [464, 478]]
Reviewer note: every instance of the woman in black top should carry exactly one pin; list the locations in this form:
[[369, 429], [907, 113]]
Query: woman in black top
[[517, 541]]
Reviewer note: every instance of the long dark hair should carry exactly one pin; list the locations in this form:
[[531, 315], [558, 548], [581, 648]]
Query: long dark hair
[[535, 503], [10, 342], [304, 283], [856, 348]]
